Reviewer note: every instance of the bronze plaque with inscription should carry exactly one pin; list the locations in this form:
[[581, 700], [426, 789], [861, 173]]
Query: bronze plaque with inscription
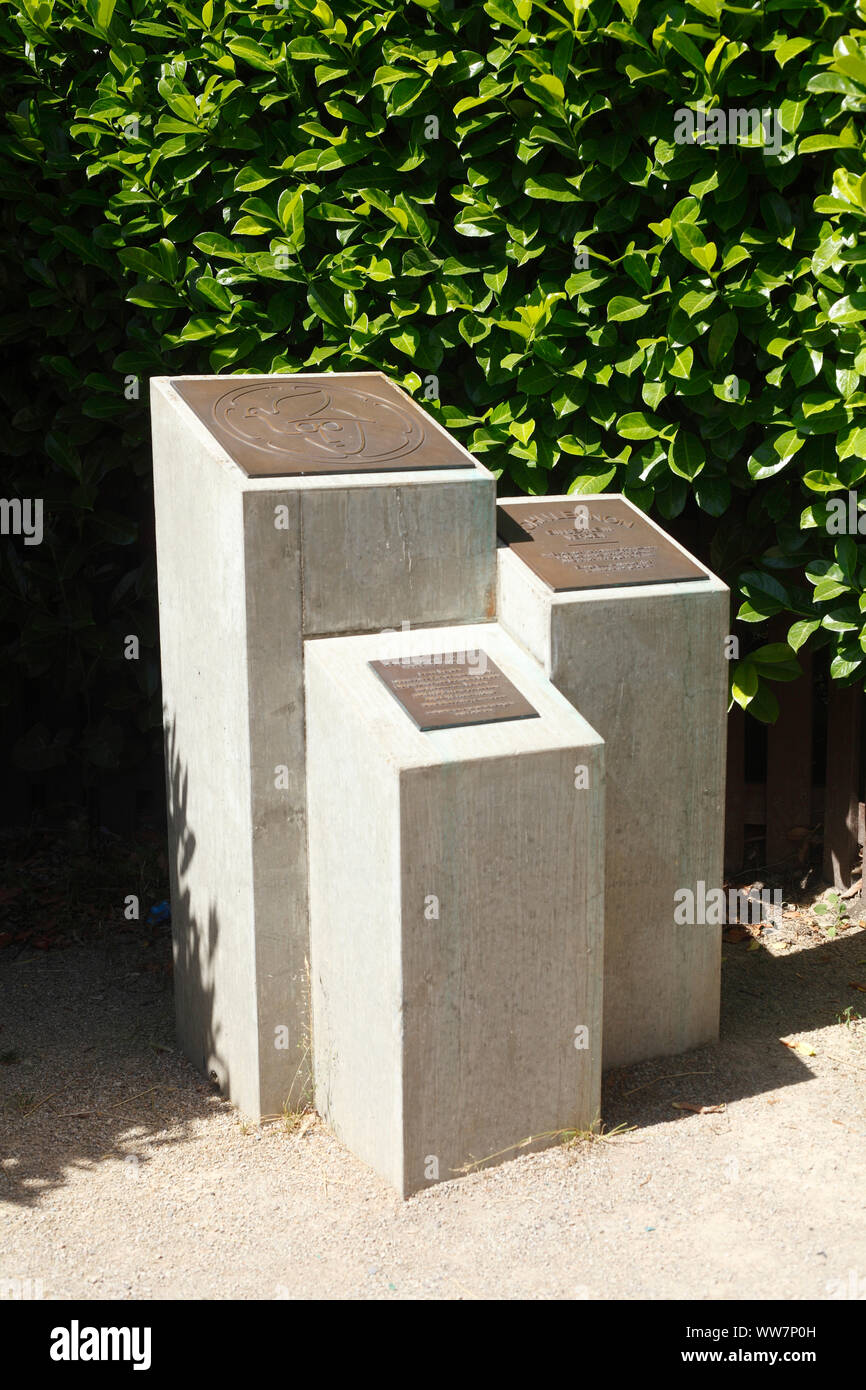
[[346, 422], [450, 689], [591, 545]]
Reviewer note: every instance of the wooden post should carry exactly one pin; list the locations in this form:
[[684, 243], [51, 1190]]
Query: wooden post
[[789, 766], [842, 796], [735, 792]]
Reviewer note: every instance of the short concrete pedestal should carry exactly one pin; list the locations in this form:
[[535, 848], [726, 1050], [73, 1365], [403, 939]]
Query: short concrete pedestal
[[265, 535], [456, 912], [645, 664]]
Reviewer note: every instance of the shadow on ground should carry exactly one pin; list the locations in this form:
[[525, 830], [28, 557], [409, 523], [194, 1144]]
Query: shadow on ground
[[90, 1070], [89, 1065], [765, 998]]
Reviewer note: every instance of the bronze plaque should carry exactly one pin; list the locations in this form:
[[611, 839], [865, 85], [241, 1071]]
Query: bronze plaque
[[446, 690], [591, 545], [287, 426]]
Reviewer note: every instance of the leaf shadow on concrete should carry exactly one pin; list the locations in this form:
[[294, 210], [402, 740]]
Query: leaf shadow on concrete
[[195, 942]]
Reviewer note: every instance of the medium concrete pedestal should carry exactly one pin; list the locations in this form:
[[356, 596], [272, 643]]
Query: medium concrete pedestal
[[249, 566], [456, 914], [645, 665]]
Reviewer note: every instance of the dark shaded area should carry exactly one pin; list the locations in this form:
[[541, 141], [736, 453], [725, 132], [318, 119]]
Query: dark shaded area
[[90, 1066]]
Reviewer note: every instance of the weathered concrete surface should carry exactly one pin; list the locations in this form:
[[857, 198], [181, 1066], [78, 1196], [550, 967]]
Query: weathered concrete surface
[[247, 567], [645, 665], [456, 914]]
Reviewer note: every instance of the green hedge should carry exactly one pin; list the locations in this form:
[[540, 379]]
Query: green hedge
[[491, 203]]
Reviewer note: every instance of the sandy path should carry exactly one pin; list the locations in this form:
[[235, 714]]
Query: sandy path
[[123, 1176]]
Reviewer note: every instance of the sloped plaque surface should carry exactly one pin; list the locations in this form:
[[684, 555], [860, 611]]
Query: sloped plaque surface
[[286, 426], [446, 691], [592, 545]]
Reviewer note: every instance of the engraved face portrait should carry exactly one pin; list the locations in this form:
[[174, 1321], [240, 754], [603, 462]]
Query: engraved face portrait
[[305, 422]]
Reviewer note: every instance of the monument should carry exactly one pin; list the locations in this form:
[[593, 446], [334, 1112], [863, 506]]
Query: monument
[[421, 826]]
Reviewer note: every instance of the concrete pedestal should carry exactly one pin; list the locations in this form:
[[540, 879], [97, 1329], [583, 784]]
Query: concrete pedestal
[[645, 665], [248, 567], [456, 913]]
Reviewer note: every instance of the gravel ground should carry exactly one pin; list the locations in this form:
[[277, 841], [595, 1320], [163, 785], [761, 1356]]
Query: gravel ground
[[124, 1176]]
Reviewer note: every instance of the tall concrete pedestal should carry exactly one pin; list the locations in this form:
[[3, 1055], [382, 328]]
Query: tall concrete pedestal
[[267, 534]]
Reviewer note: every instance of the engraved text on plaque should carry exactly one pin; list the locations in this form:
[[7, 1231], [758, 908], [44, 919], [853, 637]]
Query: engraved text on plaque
[[445, 690], [592, 545]]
